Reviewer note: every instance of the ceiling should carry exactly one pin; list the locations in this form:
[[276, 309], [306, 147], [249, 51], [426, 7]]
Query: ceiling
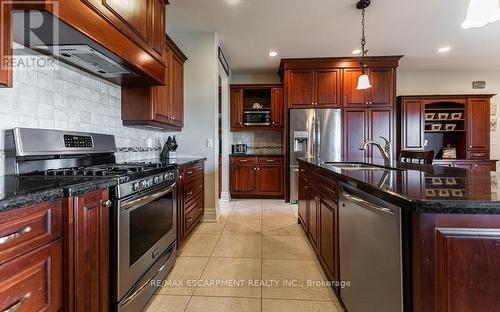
[[249, 29]]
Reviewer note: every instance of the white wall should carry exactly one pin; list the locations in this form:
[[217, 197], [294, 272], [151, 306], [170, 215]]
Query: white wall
[[200, 105], [64, 98], [450, 82]]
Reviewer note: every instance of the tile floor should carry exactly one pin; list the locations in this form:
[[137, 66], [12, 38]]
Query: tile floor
[[255, 240]]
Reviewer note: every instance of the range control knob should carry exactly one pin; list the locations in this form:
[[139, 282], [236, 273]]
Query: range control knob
[[144, 183], [171, 175], [165, 176], [156, 180], [136, 186]]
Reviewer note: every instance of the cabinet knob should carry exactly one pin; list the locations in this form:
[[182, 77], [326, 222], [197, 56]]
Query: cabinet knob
[[107, 204]]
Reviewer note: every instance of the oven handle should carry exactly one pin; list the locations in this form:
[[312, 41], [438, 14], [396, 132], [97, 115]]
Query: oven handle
[[146, 199]]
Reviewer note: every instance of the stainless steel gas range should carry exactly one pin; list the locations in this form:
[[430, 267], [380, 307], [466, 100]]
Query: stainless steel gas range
[[143, 214]]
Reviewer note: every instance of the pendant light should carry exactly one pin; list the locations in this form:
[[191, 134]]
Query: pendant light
[[481, 12], [363, 80]]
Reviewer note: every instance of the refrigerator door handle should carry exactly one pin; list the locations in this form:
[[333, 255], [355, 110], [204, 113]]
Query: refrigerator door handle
[[318, 137], [313, 152]]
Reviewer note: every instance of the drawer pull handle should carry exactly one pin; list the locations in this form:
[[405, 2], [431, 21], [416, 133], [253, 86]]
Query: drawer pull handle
[[200, 209], [16, 306], [201, 186], [190, 172], [243, 160], [107, 204], [190, 219], [13, 236], [269, 160], [189, 193]]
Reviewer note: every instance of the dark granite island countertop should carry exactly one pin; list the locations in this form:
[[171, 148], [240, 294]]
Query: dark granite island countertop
[[425, 188], [21, 191]]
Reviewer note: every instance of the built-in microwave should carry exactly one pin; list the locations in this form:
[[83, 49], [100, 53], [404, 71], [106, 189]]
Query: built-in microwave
[[257, 118]]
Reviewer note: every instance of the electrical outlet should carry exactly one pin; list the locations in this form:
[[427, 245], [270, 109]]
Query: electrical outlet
[[426, 142], [210, 143], [493, 141]]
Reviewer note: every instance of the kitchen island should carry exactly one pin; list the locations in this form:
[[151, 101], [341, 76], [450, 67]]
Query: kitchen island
[[429, 239]]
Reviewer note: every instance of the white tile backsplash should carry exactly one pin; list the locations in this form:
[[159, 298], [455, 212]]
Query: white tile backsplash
[[66, 98]]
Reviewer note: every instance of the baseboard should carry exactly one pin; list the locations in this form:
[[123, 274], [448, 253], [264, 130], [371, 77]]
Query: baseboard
[[225, 197], [210, 215]]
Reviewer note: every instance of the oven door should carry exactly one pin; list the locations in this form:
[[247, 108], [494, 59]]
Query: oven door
[[146, 228]]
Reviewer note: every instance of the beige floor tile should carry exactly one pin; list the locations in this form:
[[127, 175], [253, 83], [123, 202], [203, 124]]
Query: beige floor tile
[[295, 210], [186, 268], [238, 246], [211, 304], [246, 212], [293, 270], [283, 225], [212, 227], [286, 247], [229, 270], [199, 245], [243, 226], [276, 211], [269, 305], [247, 203], [164, 303]]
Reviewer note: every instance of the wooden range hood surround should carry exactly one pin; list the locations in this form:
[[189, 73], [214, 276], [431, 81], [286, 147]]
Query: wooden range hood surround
[[79, 24]]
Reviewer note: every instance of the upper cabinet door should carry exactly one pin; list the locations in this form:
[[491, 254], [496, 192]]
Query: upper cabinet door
[[352, 96], [382, 90], [327, 88], [236, 107], [158, 30], [5, 44], [355, 133], [412, 124], [381, 124], [300, 88], [277, 107], [478, 124], [177, 90]]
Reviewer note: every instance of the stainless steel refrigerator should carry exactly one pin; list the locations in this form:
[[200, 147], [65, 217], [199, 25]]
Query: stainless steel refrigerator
[[314, 133]]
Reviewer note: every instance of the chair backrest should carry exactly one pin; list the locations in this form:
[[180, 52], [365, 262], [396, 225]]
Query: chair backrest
[[417, 157]]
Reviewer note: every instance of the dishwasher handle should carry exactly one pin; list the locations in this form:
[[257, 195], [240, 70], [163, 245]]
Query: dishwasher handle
[[353, 198]]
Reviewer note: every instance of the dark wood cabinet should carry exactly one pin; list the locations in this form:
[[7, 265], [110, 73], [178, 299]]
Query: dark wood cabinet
[[313, 88], [329, 240], [244, 96], [355, 133], [159, 106], [256, 177], [313, 217], [277, 111], [91, 251], [5, 44], [381, 124], [478, 165], [236, 112], [422, 123], [382, 91], [478, 127], [456, 262], [303, 202], [190, 198]]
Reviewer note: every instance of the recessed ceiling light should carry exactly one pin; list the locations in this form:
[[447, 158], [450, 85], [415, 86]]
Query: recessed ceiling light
[[356, 51], [444, 49], [233, 1], [273, 53]]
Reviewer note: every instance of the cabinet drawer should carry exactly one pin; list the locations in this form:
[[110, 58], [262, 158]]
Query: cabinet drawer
[[33, 282], [270, 160], [193, 188], [194, 170], [243, 160], [25, 229], [192, 217], [478, 155], [197, 203], [326, 184]]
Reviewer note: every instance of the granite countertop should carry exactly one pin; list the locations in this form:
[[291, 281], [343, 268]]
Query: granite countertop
[[426, 188], [20, 191], [179, 161]]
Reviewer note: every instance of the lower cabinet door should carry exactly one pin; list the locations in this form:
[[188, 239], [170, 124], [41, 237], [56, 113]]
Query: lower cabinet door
[[312, 218], [33, 282], [92, 251], [303, 189], [243, 179], [329, 237], [270, 180]]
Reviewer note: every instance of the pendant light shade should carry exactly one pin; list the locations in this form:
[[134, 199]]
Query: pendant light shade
[[481, 12], [363, 82]]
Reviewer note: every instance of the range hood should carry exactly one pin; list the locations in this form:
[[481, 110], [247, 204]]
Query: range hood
[[56, 38]]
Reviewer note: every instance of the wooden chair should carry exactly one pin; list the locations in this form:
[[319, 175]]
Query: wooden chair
[[417, 157]]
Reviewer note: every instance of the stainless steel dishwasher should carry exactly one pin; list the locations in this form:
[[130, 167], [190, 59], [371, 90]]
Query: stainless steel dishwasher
[[370, 252]]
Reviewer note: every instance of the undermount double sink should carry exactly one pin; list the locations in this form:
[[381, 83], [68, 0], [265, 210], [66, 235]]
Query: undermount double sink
[[357, 166]]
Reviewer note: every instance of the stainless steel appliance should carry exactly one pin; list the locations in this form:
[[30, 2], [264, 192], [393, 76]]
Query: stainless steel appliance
[[257, 118], [313, 133], [143, 213], [370, 252]]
